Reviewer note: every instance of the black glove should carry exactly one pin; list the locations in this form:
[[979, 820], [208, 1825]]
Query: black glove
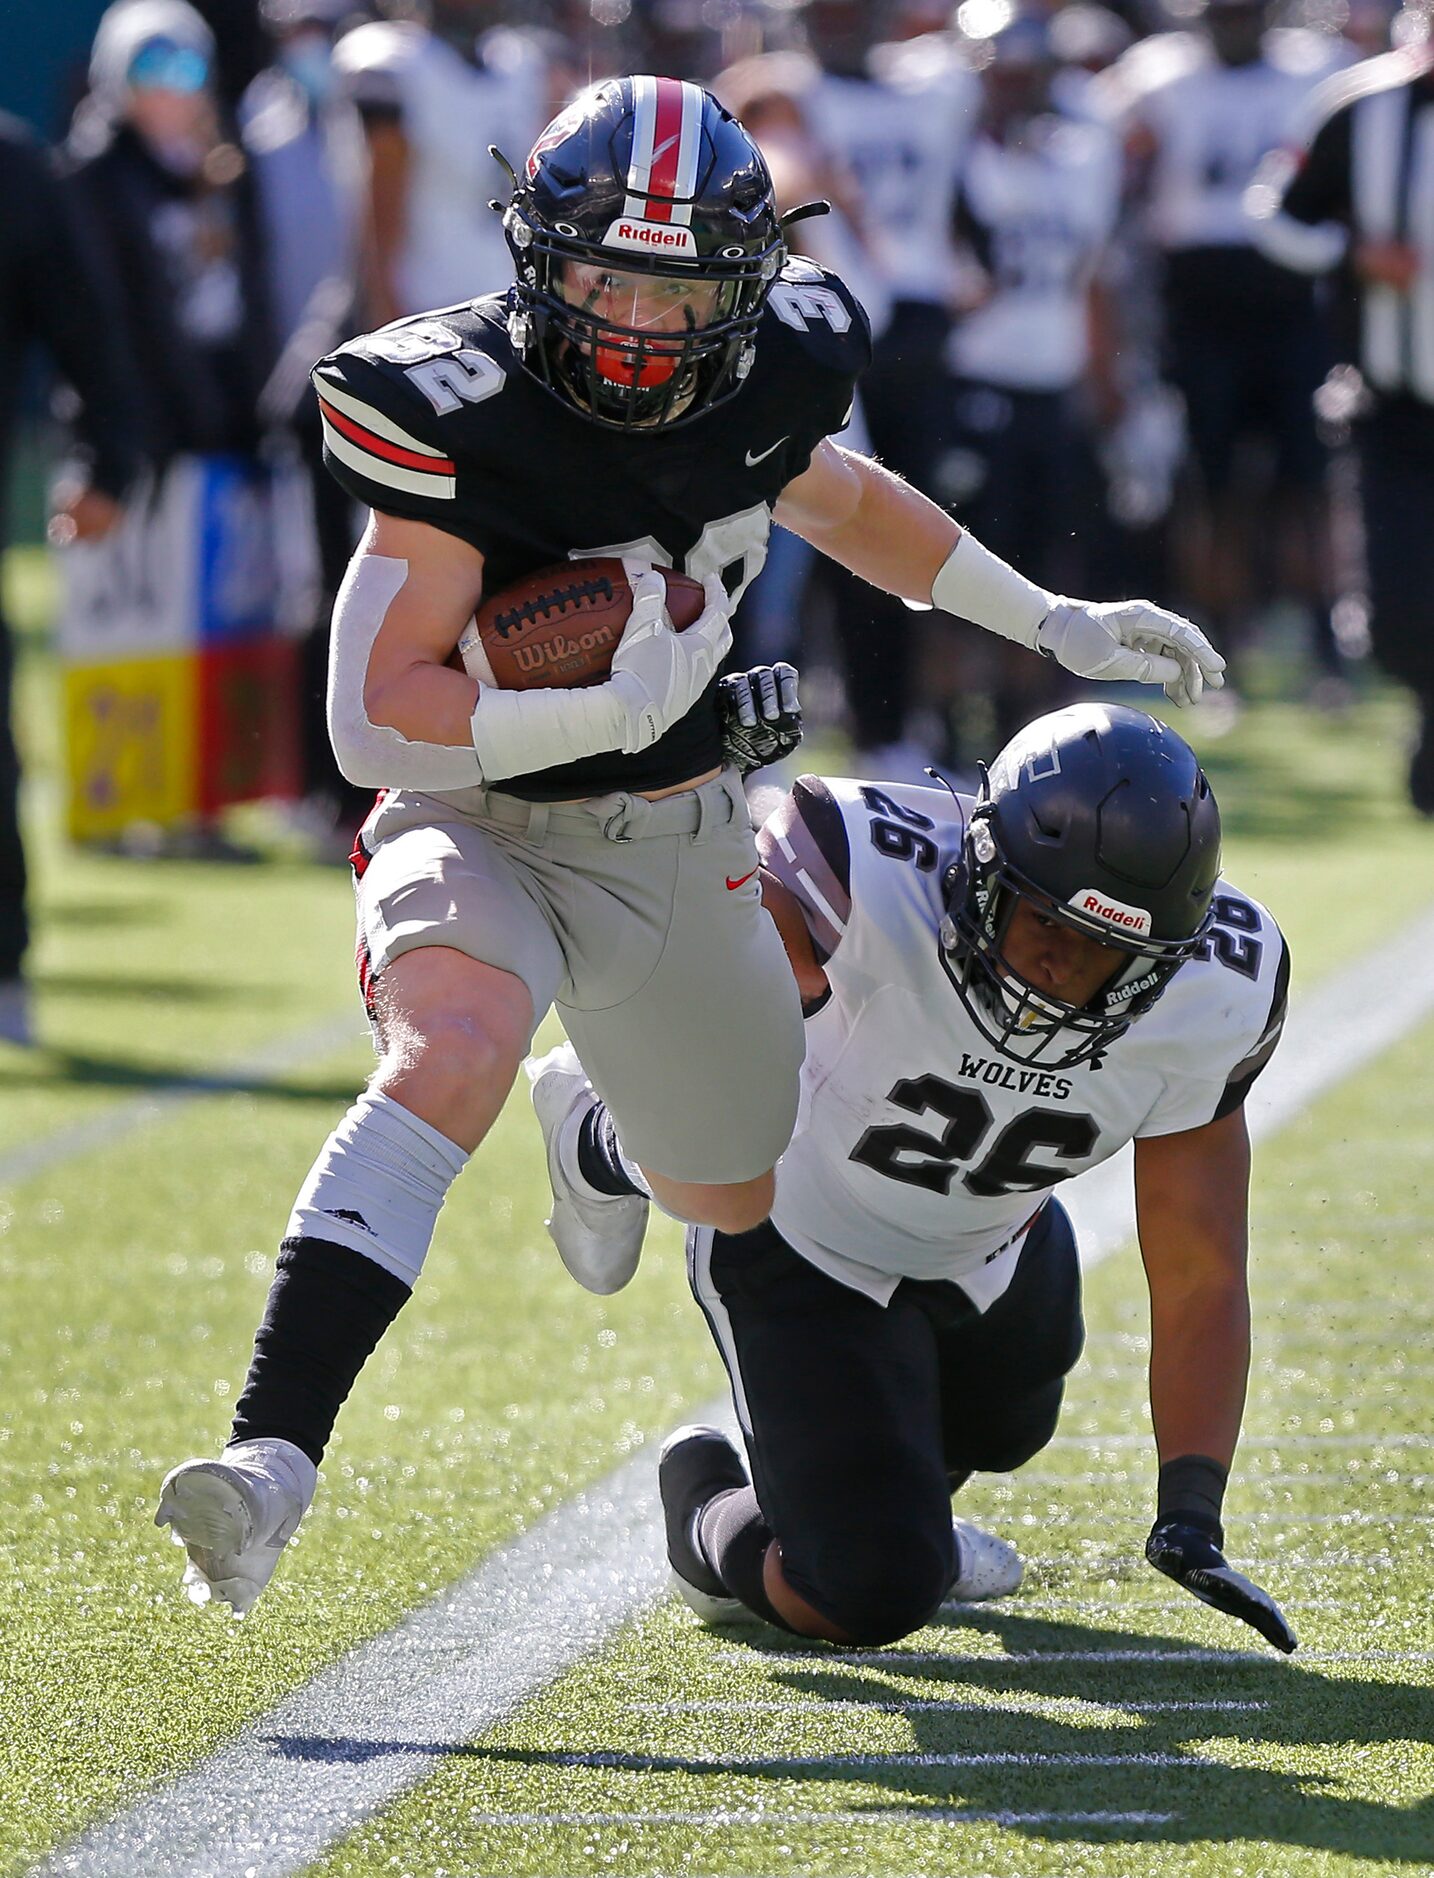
[[1186, 1547], [761, 718]]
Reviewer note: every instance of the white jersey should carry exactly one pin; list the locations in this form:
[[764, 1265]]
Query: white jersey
[[920, 1151], [1037, 214], [1213, 125], [902, 133], [450, 110]]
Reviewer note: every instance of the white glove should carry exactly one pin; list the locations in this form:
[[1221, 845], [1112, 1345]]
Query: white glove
[[1133, 641], [658, 674]]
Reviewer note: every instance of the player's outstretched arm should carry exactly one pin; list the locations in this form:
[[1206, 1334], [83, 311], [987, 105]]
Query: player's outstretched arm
[[1192, 1193], [860, 514]]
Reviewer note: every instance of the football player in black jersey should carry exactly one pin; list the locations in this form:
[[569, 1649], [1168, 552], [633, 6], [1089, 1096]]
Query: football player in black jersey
[[659, 382]]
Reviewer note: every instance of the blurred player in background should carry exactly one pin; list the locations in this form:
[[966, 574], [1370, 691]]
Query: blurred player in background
[[433, 93], [303, 139], [897, 115], [1034, 352], [1356, 193], [999, 992], [659, 382], [1245, 347]]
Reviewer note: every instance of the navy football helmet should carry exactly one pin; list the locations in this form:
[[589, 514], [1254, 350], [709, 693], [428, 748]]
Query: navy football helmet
[[1102, 818], [646, 239]]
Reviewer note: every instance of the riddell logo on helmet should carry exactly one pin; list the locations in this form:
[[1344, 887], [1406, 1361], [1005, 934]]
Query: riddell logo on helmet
[[626, 232], [1109, 912]]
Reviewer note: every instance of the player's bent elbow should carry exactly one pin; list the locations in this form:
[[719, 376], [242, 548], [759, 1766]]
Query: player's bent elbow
[[358, 761]]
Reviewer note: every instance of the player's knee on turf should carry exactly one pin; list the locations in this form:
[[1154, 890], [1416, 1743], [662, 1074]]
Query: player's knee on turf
[[880, 1584]]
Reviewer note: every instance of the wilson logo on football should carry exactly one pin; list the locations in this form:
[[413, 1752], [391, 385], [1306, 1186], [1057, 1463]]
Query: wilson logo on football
[[646, 236], [557, 651], [1114, 913]]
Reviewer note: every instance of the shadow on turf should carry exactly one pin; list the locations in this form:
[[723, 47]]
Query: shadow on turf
[[111, 986], [1209, 1803], [46, 1068]]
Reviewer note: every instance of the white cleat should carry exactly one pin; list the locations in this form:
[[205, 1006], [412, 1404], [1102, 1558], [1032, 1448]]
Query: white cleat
[[598, 1235], [986, 1567], [234, 1516]]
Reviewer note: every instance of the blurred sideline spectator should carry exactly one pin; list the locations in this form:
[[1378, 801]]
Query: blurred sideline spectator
[[305, 145], [432, 97], [241, 47], [167, 207], [47, 295], [1244, 341], [166, 203], [1357, 194]]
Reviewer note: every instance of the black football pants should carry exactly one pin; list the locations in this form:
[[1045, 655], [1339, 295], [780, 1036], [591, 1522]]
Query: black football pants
[[861, 1419]]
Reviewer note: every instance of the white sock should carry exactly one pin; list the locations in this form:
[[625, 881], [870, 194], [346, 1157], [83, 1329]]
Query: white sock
[[378, 1184]]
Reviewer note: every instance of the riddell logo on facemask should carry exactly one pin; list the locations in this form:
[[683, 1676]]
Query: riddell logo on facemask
[[646, 236], [1111, 912]]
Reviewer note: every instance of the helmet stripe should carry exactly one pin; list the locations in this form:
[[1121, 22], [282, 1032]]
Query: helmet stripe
[[688, 151], [666, 149], [666, 141], [644, 100]]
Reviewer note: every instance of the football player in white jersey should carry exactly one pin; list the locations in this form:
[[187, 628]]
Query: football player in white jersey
[[432, 97], [999, 993], [1244, 343], [898, 116]]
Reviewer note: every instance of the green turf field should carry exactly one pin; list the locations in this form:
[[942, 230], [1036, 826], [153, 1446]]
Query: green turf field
[[135, 1268]]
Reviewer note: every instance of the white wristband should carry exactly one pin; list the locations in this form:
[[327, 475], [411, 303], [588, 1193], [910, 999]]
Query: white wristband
[[977, 585], [515, 732]]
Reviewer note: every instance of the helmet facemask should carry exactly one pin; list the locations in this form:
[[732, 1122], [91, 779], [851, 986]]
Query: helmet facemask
[[590, 324], [1028, 1024]]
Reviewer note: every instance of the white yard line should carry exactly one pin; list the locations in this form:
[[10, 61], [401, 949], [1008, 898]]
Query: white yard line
[[1060, 1705], [838, 1816], [279, 1058], [999, 1659], [1312, 1438], [277, 1796], [617, 1761]]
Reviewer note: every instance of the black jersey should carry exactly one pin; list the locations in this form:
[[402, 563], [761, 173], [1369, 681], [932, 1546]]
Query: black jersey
[[435, 419]]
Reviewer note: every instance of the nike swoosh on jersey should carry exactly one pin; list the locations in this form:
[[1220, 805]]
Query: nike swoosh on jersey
[[733, 885], [752, 460]]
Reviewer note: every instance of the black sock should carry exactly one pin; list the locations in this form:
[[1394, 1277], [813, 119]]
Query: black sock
[[599, 1162], [734, 1538], [328, 1306]]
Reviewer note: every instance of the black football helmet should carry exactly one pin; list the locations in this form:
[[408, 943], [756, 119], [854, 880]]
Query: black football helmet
[[1102, 818], [643, 191]]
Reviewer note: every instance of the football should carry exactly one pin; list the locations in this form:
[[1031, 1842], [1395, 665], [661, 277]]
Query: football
[[560, 626]]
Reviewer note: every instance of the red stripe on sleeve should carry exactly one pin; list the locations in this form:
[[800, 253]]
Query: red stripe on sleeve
[[380, 446]]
